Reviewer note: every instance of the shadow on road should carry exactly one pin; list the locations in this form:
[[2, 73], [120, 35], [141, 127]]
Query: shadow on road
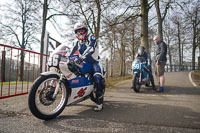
[[130, 112], [169, 90]]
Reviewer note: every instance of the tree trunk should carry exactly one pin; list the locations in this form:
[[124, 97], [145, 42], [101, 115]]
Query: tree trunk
[[169, 53], [144, 24], [160, 34], [179, 44], [124, 61], [98, 18], [199, 62], [111, 61], [193, 57], [133, 44], [3, 68], [21, 73], [45, 9]]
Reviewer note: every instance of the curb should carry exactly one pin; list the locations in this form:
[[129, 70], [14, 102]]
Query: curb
[[190, 78]]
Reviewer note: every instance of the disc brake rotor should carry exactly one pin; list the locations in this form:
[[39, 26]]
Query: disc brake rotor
[[46, 95]]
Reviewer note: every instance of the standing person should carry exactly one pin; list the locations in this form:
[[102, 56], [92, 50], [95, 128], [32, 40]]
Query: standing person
[[86, 46], [143, 53], [161, 59]]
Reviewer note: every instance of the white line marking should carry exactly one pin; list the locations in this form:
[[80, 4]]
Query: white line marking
[[190, 78]]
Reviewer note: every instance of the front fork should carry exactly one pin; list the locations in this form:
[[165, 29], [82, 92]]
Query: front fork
[[58, 85], [140, 75]]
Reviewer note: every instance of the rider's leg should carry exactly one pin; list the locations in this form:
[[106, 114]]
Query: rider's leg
[[152, 80], [161, 76], [98, 79], [151, 77], [162, 80]]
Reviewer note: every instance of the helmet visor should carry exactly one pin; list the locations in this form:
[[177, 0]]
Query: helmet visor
[[140, 51], [80, 31]]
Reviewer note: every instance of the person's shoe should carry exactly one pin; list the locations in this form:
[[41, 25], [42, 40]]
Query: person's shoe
[[160, 89], [98, 107], [153, 87]]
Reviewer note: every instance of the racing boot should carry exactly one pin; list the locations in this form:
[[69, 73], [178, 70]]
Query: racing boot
[[100, 98], [98, 107]]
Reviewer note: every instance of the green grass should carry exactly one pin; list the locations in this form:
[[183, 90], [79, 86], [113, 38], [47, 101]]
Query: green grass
[[111, 81], [197, 74], [196, 77], [14, 83]]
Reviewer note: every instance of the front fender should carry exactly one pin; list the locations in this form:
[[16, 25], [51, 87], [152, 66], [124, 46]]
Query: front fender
[[50, 72], [137, 72], [65, 81]]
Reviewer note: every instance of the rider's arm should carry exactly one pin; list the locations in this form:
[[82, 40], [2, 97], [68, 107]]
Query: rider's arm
[[75, 47], [92, 52]]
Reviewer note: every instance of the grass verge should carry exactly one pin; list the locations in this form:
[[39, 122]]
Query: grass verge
[[196, 77], [14, 83], [112, 81]]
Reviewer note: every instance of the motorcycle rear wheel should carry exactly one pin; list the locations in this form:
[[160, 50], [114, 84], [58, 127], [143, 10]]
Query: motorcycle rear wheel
[[136, 84], [41, 103]]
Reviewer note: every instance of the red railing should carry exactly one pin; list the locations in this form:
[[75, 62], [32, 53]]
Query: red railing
[[19, 68]]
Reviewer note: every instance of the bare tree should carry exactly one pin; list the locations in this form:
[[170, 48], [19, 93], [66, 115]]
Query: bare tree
[[161, 17], [20, 25], [193, 17], [145, 6], [51, 10]]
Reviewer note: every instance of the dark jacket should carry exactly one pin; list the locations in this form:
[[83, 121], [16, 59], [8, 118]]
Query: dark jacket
[[161, 52], [146, 56]]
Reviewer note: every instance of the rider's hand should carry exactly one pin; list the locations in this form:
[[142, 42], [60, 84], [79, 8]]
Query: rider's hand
[[78, 61], [83, 57]]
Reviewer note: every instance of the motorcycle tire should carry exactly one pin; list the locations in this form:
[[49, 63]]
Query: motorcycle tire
[[135, 82], [40, 97]]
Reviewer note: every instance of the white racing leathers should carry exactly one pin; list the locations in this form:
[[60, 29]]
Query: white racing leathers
[[89, 52]]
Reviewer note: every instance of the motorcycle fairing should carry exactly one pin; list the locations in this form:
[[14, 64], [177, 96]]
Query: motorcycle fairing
[[78, 82], [79, 93]]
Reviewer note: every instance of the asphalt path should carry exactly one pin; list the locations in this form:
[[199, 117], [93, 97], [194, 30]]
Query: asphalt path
[[177, 110]]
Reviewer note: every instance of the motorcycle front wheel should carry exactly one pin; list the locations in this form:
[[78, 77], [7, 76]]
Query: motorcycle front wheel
[[41, 102], [135, 82]]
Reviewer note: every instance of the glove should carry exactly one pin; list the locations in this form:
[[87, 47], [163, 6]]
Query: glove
[[83, 57], [78, 61]]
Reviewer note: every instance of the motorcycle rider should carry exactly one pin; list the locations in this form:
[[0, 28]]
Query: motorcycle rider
[[143, 53], [86, 46]]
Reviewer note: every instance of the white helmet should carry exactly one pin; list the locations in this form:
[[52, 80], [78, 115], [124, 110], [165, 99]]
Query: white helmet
[[80, 30]]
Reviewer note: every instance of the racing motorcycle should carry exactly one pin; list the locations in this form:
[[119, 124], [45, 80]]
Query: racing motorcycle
[[140, 74], [67, 82]]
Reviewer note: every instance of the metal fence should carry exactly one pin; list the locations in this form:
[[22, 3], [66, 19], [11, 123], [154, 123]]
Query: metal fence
[[19, 68], [178, 68]]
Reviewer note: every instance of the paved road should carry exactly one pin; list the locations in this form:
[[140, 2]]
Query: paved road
[[177, 110]]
